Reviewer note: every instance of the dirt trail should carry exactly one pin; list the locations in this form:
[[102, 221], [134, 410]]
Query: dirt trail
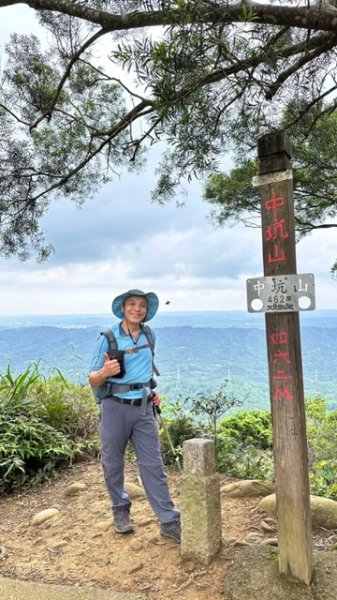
[[81, 547]]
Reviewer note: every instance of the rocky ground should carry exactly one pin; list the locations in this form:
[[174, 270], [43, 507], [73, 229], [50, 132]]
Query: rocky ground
[[79, 546]]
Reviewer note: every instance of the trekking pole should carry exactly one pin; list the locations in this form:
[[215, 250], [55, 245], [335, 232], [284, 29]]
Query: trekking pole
[[169, 439]]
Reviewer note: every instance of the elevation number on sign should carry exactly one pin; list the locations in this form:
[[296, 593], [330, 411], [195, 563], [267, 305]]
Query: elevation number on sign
[[282, 293]]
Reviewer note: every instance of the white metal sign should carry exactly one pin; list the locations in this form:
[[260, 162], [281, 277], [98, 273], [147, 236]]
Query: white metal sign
[[281, 293], [272, 177]]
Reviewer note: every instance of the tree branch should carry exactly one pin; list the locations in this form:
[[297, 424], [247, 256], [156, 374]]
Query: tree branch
[[319, 17], [330, 108], [306, 226], [296, 66], [134, 114], [47, 114], [10, 112]]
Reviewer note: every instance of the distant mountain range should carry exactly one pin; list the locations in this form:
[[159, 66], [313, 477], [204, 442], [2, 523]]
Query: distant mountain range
[[195, 352]]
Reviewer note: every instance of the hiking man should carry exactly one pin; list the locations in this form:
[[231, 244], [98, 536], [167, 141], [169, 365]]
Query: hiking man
[[125, 391]]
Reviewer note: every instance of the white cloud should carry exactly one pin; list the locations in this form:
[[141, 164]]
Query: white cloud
[[110, 245], [195, 267]]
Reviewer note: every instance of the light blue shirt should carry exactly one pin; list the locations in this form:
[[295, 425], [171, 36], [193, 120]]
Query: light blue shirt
[[138, 365]]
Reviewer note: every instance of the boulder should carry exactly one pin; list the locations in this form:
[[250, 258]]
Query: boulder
[[251, 487], [75, 488], [134, 491], [323, 510], [45, 515]]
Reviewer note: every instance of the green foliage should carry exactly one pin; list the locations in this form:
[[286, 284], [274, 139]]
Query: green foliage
[[216, 79], [244, 446], [214, 406], [30, 450], [231, 194], [14, 390], [244, 442], [70, 408], [180, 429], [175, 426], [233, 198], [64, 147], [322, 444], [44, 426], [251, 427], [243, 460], [247, 14]]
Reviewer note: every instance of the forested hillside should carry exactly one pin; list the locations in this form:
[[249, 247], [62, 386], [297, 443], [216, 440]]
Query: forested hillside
[[190, 359]]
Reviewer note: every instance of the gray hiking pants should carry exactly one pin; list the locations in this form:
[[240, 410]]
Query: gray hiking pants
[[119, 424]]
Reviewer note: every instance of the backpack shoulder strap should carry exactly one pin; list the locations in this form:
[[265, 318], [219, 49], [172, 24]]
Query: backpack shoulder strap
[[149, 336], [111, 340], [112, 345], [151, 341]]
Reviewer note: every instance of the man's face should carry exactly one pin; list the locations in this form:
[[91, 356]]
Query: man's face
[[135, 309]]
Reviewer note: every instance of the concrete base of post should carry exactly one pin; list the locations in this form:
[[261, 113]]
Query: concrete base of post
[[200, 503]]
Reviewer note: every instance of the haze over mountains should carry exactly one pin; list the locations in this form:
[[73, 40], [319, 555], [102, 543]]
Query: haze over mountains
[[195, 352]]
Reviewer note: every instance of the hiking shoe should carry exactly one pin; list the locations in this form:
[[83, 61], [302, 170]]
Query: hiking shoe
[[122, 521], [171, 529]]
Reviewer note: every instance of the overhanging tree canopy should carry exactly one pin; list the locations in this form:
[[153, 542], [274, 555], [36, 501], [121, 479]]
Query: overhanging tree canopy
[[117, 76]]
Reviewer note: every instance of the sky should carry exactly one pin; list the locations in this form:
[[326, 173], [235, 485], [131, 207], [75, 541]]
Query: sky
[[120, 240]]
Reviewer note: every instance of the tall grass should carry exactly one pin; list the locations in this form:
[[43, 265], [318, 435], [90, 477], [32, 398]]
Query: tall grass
[[45, 425]]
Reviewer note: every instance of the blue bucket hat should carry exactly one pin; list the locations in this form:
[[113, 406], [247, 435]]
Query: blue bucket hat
[[151, 298]]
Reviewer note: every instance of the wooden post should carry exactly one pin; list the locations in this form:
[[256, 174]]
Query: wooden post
[[285, 366]]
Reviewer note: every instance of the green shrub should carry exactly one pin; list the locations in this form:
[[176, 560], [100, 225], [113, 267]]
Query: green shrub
[[70, 408], [250, 427], [213, 406], [242, 460], [244, 445], [322, 444], [15, 392], [30, 450], [173, 433], [44, 425]]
